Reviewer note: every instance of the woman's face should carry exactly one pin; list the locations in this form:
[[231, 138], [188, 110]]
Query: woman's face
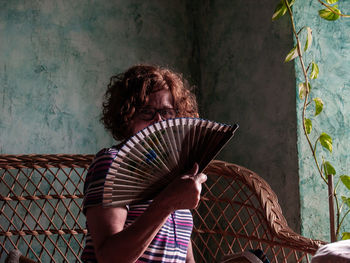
[[159, 100]]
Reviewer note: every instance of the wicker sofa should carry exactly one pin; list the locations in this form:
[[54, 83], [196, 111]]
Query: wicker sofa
[[41, 215]]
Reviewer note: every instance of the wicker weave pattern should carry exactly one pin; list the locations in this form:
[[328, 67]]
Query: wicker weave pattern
[[41, 214], [40, 204], [239, 211]]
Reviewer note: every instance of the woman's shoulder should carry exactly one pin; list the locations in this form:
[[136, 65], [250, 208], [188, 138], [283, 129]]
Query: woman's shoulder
[[105, 154], [101, 164], [95, 177], [111, 151]]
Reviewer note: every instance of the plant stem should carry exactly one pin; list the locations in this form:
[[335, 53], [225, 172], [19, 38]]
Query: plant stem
[[341, 221], [339, 208], [307, 88], [331, 208], [338, 212]]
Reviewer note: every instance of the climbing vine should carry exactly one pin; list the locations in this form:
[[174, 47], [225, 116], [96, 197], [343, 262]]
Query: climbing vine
[[310, 71]]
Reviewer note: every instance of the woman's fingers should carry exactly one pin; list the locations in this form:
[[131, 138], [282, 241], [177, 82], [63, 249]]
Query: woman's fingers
[[191, 173], [194, 170], [201, 178], [184, 192]]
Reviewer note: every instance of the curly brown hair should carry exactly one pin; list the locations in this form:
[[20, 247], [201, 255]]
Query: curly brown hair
[[130, 90]]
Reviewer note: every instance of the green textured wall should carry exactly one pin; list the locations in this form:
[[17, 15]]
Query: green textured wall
[[56, 58], [244, 80], [331, 50]]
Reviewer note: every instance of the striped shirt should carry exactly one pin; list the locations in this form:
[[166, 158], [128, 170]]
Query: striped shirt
[[171, 242]]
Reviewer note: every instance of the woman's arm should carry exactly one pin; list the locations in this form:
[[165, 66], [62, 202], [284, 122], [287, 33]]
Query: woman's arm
[[190, 257], [113, 243]]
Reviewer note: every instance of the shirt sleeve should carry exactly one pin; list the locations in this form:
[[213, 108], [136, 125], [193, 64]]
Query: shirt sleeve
[[95, 178]]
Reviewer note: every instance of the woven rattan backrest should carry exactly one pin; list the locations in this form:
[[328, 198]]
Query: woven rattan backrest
[[41, 196], [40, 203], [238, 212]]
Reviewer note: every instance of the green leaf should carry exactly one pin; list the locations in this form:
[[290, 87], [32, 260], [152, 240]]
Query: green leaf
[[308, 126], [346, 200], [326, 141], [328, 168], [345, 180], [318, 106], [292, 54], [302, 91], [308, 38], [345, 235], [314, 71], [328, 14], [331, 1], [281, 9]]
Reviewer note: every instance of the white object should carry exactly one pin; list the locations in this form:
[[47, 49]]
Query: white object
[[337, 252]]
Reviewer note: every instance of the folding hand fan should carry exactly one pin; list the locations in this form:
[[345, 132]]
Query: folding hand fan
[[154, 156]]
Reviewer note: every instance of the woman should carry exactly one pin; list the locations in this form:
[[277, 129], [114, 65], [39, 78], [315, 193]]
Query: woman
[[152, 231]]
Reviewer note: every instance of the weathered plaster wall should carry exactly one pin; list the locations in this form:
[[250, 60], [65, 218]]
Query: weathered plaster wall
[[56, 58], [331, 50], [244, 80]]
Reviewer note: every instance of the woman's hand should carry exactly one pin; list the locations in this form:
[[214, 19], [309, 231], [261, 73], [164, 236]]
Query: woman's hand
[[184, 192]]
